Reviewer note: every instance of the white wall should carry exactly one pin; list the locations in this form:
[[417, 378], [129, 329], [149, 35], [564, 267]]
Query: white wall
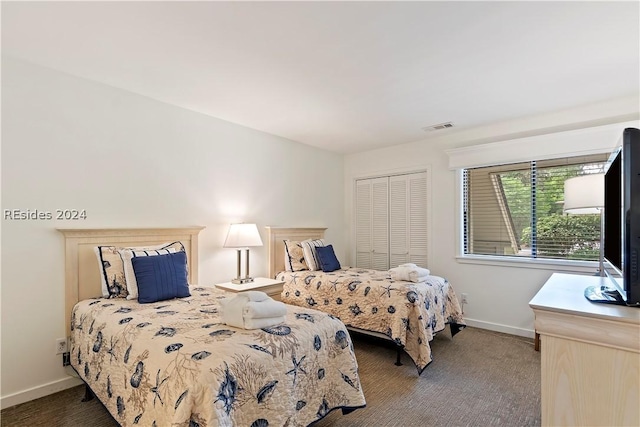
[[131, 162], [499, 293]]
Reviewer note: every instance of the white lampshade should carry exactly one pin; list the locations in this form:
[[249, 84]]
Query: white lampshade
[[242, 236], [584, 194]]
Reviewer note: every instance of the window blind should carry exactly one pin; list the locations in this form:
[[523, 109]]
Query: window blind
[[516, 210]]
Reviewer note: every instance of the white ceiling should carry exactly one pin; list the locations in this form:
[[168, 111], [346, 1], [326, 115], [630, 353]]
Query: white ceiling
[[344, 76]]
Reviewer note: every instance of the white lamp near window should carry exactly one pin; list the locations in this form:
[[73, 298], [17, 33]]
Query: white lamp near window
[[585, 195], [242, 236]]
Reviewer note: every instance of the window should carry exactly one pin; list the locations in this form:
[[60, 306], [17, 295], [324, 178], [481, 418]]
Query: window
[[516, 210]]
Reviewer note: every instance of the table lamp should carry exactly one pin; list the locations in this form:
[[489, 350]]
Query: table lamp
[[242, 236]]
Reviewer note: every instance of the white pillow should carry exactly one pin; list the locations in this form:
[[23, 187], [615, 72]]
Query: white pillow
[[310, 256], [127, 254]]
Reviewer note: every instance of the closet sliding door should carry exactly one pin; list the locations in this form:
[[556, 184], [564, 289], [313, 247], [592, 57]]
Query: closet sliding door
[[408, 219], [391, 221], [372, 223]]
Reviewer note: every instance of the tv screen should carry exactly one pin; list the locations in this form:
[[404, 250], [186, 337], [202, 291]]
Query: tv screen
[[613, 212], [622, 217]]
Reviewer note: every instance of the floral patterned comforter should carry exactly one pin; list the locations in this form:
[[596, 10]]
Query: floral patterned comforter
[[408, 313], [174, 363]]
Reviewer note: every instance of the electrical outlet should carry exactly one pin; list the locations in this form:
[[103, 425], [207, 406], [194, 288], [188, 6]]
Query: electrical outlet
[[61, 345], [464, 298], [66, 359]]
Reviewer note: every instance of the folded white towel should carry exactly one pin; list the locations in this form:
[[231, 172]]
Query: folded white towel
[[262, 323], [408, 264], [409, 274], [239, 311], [232, 311], [256, 296], [264, 309]]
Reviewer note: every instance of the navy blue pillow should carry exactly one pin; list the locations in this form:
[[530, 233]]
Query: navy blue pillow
[[327, 258], [161, 277]]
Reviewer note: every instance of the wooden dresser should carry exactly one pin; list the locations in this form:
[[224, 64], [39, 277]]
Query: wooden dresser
[[590, 356]]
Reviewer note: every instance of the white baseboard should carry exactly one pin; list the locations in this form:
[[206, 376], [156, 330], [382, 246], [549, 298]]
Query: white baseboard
[[38, 392], [528, 333]]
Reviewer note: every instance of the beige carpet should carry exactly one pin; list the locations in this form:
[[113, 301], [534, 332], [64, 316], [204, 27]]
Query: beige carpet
[[478, 378]]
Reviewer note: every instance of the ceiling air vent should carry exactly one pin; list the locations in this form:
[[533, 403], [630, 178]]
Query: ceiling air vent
[[439, 126]]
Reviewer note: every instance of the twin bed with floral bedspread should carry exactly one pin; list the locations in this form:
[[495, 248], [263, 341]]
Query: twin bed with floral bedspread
[[174, 362], [407, 313]]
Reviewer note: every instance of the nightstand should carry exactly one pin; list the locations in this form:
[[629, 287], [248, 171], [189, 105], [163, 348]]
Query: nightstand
[[271, 287]]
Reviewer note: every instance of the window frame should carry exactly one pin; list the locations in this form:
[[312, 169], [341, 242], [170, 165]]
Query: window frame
[[508, 261]]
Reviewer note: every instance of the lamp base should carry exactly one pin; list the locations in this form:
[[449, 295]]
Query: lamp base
[[242, 281]]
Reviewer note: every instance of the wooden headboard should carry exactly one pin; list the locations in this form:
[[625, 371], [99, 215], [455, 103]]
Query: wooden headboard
[[82, 277], [276, 237]]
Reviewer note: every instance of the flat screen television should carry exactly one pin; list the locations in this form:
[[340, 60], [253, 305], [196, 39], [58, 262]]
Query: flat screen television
[[622, 222]]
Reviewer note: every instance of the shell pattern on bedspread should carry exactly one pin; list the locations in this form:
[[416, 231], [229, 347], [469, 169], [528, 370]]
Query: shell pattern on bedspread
[[408, 313], [175, 364]]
